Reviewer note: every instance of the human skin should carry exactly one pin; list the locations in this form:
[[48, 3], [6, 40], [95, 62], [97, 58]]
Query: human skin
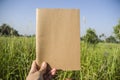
[[41, 73]]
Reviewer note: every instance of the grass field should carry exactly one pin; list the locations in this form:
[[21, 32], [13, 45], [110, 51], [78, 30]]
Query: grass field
[[100, 62]]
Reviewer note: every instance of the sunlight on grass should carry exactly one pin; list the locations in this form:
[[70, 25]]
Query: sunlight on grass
[[100, 62]]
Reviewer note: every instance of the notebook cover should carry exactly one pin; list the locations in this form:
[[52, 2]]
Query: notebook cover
[[58, 38]]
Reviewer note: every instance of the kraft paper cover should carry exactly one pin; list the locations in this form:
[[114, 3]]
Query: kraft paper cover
[[58, 38]]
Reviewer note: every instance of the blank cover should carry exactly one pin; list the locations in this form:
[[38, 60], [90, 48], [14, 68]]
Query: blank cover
[[58, 38]]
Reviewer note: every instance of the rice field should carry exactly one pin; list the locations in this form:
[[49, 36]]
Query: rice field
[[100, 62]]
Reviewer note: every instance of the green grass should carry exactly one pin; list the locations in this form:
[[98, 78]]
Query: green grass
[[100, 62]]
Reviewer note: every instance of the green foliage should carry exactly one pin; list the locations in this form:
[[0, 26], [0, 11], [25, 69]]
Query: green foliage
[[91, 36], [6, 30], [16, 56], [100, 62], [111, 39], [102, 37], [97, 63], [117, 30]]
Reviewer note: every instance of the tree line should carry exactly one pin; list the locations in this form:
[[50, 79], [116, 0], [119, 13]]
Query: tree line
[[7, 30], [92, 38]]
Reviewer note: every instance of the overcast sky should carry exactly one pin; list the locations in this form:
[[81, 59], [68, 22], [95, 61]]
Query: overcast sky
[[100, 15]]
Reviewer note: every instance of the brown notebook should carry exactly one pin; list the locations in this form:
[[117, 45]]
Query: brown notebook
[[58, 38]]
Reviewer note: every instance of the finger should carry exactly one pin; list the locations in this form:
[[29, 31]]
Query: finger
[[53, 71], [33, 67], [51, 74], [43, 68]]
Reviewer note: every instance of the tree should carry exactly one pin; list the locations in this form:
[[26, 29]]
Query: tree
[[117, 30], [102, 37], [91, 36], [111, 39], [6, 30]]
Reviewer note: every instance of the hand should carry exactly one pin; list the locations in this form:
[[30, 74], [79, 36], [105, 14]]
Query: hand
[[41, 73]]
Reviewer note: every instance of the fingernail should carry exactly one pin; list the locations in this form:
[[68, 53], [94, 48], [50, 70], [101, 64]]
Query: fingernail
[[43, 67], [43, 64], [53, 72]]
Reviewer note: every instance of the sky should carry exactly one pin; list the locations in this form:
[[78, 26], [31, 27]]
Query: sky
[[101, 15]]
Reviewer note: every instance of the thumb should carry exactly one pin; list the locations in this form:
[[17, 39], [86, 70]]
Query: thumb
[[43, 68], [33, 67]]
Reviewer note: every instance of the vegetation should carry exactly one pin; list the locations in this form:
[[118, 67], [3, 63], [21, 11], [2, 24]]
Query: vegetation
[[117, 30], [6, 30], [91, 36], [16, 55], [97, 63], [111, 39]]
